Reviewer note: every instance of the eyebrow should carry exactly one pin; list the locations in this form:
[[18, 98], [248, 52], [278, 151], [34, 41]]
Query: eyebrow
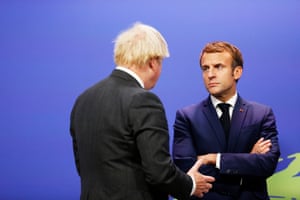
[[215, 65]]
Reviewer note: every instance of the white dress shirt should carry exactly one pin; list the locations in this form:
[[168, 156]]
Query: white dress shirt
[[215, 102]]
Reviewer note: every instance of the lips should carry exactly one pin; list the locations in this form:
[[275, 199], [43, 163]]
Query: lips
[[213, 84]]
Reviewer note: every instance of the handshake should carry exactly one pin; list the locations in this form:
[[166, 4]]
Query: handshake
[[202, 183]]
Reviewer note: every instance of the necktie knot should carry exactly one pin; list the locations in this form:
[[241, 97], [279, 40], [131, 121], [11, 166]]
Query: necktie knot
[[224, 107]]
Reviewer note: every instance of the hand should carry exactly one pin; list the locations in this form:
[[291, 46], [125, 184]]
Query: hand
[[261, 146], [210, 158], [203, 183]]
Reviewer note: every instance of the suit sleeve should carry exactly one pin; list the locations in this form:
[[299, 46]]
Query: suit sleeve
[[261, 165], [184, 152], [149, 124], [74, 140]]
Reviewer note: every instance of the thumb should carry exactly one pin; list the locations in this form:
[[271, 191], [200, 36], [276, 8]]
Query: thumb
[[197, 165]]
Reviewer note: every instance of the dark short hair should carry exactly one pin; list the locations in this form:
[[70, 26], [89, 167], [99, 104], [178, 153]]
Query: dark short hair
[[221, 46]]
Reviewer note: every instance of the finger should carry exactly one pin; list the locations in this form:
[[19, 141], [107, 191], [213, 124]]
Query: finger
[[197, 165], [266, 145], [265, 151], [209, 179], [260, 140], [266, 142]]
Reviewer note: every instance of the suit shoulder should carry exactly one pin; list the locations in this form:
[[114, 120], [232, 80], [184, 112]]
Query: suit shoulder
[[195, 107], [257, 105], [145, 96]]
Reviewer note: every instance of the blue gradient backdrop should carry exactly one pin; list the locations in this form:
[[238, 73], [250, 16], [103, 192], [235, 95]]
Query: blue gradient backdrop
[[50, 51]]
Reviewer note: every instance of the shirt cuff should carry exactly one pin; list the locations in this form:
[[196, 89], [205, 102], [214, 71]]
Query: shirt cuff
[[194, 185], [218, 160]]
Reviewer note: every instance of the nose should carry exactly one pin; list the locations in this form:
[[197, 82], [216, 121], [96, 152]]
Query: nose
[[210, 73]]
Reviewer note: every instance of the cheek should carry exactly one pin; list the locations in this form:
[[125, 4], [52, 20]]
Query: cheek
[[227, 76], [204, 78], [156, 75], [228, 80], [158, 72]]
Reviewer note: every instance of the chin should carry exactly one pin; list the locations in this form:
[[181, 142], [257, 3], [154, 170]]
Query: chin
[[149, 87], [216, 94], [213, 92]]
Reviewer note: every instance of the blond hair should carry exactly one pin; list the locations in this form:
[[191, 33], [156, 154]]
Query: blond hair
[[138, 44]]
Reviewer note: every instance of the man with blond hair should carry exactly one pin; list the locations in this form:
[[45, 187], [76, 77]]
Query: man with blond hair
[[120, 131]]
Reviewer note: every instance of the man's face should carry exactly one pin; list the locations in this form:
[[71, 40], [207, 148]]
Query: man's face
[[218, 75]]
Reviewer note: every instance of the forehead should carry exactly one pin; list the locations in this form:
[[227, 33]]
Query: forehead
[[216, 58]]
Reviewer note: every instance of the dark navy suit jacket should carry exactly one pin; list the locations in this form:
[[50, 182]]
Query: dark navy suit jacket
[[198, 131]]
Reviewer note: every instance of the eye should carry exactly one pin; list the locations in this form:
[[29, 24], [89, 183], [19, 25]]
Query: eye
[[219, 67], [204, 68]]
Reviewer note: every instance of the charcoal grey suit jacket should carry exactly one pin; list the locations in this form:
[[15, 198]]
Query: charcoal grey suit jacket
[[121, 143]]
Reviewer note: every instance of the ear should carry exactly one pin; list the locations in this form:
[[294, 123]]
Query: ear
[[151, 63], [237, 73]]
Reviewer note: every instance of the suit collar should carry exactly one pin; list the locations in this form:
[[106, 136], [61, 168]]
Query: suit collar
[[131, 73], [231, 101], [213, 120], [125, 76], [238, 117]]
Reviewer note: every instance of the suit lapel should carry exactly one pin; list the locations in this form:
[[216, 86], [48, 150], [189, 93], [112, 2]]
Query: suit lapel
[[212, 118], [238, 117]]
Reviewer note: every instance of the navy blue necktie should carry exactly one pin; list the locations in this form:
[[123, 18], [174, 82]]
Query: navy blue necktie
[[225, 118]]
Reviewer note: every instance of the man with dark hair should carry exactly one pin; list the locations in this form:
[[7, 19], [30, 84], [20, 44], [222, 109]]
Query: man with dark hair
[[236, 139]]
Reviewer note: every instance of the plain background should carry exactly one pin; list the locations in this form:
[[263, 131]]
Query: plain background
[[51, 50]]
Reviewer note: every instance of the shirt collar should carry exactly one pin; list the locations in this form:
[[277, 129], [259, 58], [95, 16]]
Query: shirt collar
[[130, 72], [231, 101]]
